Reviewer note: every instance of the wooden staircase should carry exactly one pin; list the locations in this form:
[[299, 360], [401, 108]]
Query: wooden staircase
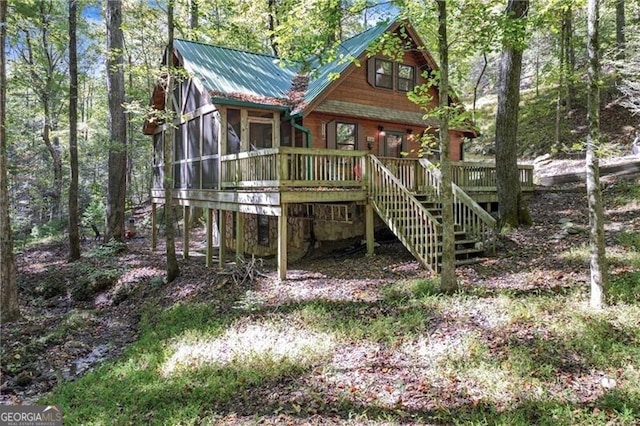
[[416, 219], [468, 247]]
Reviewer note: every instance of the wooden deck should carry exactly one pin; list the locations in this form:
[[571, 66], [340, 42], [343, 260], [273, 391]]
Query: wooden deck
[[403, 192], [260, 182]]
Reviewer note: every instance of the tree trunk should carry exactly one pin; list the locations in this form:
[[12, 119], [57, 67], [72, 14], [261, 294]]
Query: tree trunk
[[563, 32], [74, 235], [9, 309], [273, 19], [116, 187], [512, 211], [173, 269], [620, 27], [448, 281], [598, 264], [570, 60], [193, 18], [477, 85], [53, 146]]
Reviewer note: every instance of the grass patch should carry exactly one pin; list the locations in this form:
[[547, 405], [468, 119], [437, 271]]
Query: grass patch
[[629, 240], [475, 357], [187, 358], [626, 193], [377, 322]]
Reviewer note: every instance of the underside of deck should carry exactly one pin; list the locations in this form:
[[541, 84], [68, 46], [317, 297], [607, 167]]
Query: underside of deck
[[288, 183]]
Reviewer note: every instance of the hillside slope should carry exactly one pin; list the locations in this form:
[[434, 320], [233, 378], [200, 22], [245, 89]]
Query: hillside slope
[[536, 127]]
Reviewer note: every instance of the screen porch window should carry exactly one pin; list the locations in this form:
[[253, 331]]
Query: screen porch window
[[384, 73], [346, 136], [405, 77]]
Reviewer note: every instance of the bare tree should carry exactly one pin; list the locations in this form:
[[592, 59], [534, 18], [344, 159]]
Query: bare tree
[[9, 309], [74, 235], [512, 210], [598, 264], [117, 181], [448, 281]]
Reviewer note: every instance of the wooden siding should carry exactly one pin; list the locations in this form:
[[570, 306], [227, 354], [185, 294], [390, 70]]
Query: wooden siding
[[371, 139], [354, 87]]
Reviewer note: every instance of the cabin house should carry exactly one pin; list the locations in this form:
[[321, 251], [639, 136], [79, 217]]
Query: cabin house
[[282, 162]]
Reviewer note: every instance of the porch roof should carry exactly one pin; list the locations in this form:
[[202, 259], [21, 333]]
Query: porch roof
[[375, 113]]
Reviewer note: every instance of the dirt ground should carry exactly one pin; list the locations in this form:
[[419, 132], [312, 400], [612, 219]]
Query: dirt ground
[[60, 338]]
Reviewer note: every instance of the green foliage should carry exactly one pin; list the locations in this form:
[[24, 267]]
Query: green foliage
[[49, 229], [89, 280], [109, 249], [94, 214]]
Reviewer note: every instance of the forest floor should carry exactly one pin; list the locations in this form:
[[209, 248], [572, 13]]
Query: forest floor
[[76, 318]]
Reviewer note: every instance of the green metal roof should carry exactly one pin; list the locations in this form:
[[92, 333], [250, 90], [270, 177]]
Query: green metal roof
[[236, 73], [229, 71]]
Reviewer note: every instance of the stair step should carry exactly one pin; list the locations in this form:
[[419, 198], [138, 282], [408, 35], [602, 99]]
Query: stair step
[[469, 251], [469, 261]]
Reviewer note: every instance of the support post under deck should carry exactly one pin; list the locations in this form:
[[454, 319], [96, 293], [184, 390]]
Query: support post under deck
[[222, 245], [154, 226], [369, 230], [239, 235], [185, 236], [282, 243], [209, 254]]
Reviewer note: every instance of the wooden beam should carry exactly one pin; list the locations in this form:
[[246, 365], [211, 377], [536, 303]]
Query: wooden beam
[[222, 244], [154, 226], [276, 131], [369, 230], [282, 243], [239, 235], [185, 236], [271, 198], [244, 130], [209, 254], [222, 141]]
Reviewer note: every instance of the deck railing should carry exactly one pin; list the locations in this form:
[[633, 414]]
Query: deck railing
[[470, 176], [481, 177], [414, 226], [288, 166], [468, 215]]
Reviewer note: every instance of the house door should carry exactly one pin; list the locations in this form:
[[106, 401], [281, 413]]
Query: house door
[[260, 135], [393, 144]]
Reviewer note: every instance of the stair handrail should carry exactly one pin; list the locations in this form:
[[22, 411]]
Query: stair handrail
[[386, 191], [479, 226]]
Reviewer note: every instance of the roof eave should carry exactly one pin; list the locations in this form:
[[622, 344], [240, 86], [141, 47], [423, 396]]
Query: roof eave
[[247, 104]]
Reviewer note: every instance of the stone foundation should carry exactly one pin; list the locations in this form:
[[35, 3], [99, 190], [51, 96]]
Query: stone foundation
[[298, 232]]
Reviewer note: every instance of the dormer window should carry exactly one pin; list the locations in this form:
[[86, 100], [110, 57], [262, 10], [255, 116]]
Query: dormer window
[[384, 73], [406, 77]]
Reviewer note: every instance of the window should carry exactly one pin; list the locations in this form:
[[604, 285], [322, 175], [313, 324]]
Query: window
[[346, 136], [384, 73], [405, 77]]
